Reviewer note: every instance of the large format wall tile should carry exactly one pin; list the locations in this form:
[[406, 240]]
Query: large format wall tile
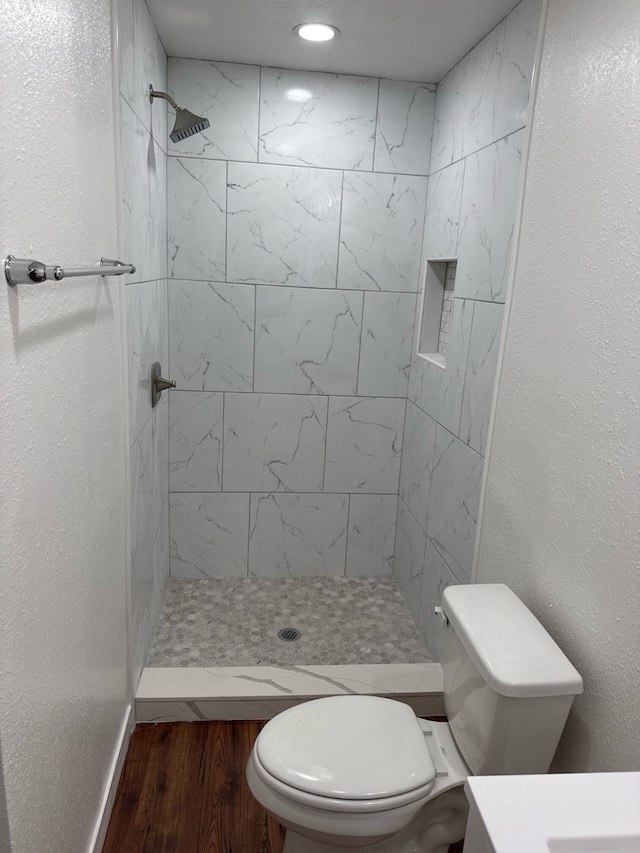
[[195, 456], [312, 119], [157, 167], [521, 36], [381, 231], [135, 145], [307, 340], [142, 62], [475, 94], [385, 354], [408, 563], [274, 443], [149, 530], [225, 93], [438, 391], [417, 462], [455, 496], [209, 535], [436, 578], [298, 535], [197, 196], [480, 374], [211, 335], [371, 538], [443, 213], [282, 225], [404, 127], [487, 216], [364, 443], [442, 142], [146, 310]]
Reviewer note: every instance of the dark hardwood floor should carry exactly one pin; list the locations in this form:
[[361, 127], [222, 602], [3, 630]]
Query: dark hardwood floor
[[183, 790]]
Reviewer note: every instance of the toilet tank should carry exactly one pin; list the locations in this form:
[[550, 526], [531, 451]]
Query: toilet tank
[[508, 687]]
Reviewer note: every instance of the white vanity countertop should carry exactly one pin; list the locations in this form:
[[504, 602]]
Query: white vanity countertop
[[562, 813]]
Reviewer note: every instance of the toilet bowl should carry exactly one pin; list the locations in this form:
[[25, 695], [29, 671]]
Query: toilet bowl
[[364, 772], [356, 771]]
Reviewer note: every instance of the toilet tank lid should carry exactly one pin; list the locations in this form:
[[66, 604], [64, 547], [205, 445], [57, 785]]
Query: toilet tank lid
[[513, 652]]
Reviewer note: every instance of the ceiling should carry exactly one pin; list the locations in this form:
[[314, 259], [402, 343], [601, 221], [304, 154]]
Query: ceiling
[[416, 40]]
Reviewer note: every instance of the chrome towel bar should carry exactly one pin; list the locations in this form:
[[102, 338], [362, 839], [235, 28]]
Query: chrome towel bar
[[24, 271]]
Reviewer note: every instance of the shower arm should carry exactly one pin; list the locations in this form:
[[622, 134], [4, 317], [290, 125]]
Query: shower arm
[[153, 94]]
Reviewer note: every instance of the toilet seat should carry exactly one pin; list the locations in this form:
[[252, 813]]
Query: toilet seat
[[333, 804], [346, 753]]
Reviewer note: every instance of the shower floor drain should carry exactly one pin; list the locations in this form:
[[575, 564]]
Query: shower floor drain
[[289, 634]]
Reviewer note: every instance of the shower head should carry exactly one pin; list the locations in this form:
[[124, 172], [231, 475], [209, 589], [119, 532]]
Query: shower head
[[186, 123]]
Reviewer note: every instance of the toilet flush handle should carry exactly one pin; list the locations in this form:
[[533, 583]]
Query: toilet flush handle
[[440, 612]]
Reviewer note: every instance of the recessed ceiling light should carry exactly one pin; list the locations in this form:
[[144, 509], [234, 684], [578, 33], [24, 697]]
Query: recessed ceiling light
[[316, 32]]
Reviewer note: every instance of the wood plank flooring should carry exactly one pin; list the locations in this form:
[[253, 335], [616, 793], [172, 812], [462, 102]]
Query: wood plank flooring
[[183, 790]]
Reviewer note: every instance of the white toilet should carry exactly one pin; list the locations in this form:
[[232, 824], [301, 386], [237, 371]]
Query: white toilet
[[363, 771]]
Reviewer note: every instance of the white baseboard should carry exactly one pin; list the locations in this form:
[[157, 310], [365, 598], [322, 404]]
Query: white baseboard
[[117, 762]]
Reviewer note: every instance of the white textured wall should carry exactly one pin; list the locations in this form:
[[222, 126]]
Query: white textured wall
[[62, 469], [563, 499]]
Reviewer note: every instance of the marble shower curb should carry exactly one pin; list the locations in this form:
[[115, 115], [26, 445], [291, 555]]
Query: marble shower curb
[[168, 694]]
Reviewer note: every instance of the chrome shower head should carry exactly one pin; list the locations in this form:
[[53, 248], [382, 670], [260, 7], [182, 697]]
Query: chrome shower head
[[186, 123]]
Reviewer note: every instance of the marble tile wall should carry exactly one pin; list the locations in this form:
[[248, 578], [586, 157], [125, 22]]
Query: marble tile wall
[[143, 213], [295, 228], [479, 118]]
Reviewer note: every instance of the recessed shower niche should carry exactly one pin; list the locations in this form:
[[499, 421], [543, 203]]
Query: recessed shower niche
[[436, 312]]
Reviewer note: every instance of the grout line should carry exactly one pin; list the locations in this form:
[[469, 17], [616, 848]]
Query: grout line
[[224, 441], [466, 365], [339, 231], [249, 532], [226, 219], [312, 167], [357, 394], [255, 335], [477, 151], [375, 130], [259, 113], [293, 286], [347, 537]]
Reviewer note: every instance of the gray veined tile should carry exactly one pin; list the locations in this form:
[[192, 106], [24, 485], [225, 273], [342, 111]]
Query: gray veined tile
[[146, 312], [211, 335], [404, 128], [228, 95], [455, 497], [437, 576], [197, 191], [315, 119], [480, 374], [371, 539], [408, 563], [487, 217], [381, 231], [417, 462], [136, 143], [364, 444], [438, 391], [443, 213], [442, 143], [297, 535], [283, 225], [195, 461], [307, 340], [274, 442], [521, 36], [475, 103], [157, 166], [209, 534], [385, 353]]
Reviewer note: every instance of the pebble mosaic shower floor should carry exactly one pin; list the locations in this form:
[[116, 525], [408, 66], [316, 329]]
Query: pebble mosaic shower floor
[[235, 622]]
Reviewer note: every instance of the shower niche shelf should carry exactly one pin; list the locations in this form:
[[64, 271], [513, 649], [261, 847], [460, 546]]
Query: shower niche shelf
[[436, 310]]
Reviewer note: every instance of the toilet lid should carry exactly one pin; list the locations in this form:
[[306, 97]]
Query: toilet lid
[[349, 747]]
